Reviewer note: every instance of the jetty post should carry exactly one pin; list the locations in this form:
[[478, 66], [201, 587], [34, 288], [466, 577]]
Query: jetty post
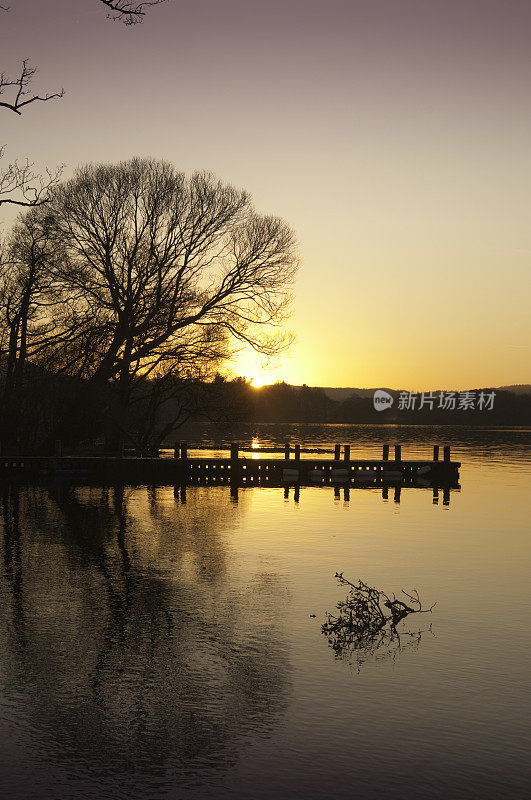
[[385, 454], [446, 452], [347, 452], [398, 452], [337, 452], [234, 466]]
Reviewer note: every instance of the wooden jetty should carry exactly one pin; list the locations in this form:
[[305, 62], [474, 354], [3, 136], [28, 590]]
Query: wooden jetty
[[315, 468]]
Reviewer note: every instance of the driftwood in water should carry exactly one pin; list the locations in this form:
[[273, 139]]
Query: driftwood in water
[[367, 620]]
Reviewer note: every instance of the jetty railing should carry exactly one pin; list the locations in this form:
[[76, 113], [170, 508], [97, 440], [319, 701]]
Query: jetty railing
[[341, 464]]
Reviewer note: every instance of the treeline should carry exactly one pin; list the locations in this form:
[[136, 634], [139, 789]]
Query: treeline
[[159, 407], [285, 403]]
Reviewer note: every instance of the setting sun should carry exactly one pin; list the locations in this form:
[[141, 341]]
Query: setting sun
[[251, 366], [258, 382]]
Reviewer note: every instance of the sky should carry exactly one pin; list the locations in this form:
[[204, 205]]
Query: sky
[[392, 135]]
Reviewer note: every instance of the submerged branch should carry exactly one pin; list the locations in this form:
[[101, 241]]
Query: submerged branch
[[367, 620]]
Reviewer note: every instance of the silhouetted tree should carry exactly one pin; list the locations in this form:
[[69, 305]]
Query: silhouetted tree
[[27, 296], [160, 277]]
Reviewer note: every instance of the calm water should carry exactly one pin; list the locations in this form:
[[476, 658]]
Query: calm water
[[151, 648]]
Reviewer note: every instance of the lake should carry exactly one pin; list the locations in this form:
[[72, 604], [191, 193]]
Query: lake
[[155, 648]]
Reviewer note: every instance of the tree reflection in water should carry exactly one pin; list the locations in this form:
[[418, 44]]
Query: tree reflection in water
[[129, 646]]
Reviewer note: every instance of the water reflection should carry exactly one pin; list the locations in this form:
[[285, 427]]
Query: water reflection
[[144, 635], [127, 644], [470, 444], [347, 492]]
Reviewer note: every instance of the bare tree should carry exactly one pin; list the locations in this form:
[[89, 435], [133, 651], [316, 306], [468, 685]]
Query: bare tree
[[160, 406], [161, 276], [27, 297]]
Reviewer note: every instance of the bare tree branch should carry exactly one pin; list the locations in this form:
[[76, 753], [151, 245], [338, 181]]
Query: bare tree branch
[[128, 11], [22, 96], [21, 186]]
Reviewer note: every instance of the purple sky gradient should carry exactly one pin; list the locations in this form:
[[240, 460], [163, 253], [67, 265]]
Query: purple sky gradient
[[392, 134]]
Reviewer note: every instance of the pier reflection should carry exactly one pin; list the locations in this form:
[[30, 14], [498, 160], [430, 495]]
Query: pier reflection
[[127, 641], [338, 491]]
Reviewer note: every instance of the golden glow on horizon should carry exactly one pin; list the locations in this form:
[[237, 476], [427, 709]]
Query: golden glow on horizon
[[249, 365], [407, 185]]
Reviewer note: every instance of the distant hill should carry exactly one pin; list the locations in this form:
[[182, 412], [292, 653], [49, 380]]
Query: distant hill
[[352, 405], [517, 388], [340, 393]]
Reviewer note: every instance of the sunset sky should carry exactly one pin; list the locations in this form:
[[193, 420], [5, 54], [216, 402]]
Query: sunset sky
[[393, 136]]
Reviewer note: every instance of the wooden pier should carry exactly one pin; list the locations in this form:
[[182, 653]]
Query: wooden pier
[[317, 470], [296, 465]]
